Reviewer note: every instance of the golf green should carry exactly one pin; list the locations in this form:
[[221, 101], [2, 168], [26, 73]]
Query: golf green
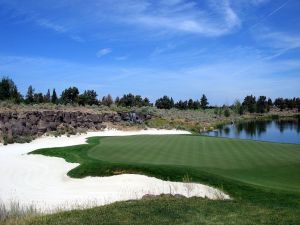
[[263, 164]]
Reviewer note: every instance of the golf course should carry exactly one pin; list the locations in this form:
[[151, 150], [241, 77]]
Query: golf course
[[264, 164], [262, 178]]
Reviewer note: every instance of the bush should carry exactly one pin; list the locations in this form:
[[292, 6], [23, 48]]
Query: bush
[[5, 142], [23, 139], [226, 112]]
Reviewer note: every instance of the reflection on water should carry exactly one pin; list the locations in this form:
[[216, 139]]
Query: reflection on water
[[286, 131]]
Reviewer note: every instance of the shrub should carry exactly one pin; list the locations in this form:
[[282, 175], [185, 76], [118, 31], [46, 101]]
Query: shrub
[[226, 112], [5, 142], [23, 139]]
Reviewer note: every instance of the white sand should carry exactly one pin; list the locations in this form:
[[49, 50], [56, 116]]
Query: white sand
[[42, 181]]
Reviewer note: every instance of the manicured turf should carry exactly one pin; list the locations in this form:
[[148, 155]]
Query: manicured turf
[[265, 164], [262, 178]]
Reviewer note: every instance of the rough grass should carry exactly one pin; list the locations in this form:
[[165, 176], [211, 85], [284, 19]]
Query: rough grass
[[16, 211], [170, 210]]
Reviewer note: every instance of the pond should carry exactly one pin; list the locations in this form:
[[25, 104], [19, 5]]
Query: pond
[[279, 130]]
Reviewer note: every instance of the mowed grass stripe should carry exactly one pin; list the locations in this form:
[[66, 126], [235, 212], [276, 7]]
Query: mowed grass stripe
[[261, 163], [220, 151], [248, 155], [247, 161]]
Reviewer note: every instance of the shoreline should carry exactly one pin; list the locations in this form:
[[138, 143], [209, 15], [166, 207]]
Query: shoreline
[[42, 181]]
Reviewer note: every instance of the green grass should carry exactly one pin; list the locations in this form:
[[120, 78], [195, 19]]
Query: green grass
[[166, 210], [265, 164], [263, 179]]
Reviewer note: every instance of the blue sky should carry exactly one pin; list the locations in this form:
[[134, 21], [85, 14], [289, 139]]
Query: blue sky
[[183, 48]]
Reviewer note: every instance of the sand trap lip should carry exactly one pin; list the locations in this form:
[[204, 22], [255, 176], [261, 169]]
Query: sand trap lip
[[42, 181]]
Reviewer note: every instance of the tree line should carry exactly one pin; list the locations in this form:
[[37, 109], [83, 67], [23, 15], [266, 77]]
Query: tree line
[[167, 103], [71, 95], [262, 104]]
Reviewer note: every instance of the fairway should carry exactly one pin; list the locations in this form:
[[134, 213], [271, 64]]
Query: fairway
[[268, 165]]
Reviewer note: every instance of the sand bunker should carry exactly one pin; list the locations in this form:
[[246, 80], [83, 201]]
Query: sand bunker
[[42, 181]]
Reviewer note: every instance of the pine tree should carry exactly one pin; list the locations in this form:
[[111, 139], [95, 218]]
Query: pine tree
[[172, 103], [47, 97], [110, 100], [117, 101], [70, 96], [54, 98], [30, 95], [191, 104], [107, 100], [249, 103], [9, 91], [203, 102]]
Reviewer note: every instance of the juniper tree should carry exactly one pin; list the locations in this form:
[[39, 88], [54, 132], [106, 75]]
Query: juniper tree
[[47, 97], [30, 95], [9, 91], [54, 98], [203, 102], [70, 95]]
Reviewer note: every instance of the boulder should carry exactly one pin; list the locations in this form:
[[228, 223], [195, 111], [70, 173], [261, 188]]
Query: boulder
[[66, 117], [18, 129], [9, 136], [33, 119], [92, 118], [42, 126]]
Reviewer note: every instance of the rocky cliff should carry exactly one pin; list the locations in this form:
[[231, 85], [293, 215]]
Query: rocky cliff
[[22, 126]]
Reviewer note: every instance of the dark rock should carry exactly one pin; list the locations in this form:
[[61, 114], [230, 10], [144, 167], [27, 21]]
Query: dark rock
[[92, 118], [7, 126], [18, 129], [10, 138], [42, 126], [32, 123], [33, 119], [66, 118], [2, 126], [100, 126], [5, 118], [117, 118], [52, 125]]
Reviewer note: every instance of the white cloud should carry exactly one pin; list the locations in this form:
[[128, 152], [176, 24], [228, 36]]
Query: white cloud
[[217, 19], [276, 43], [258, 2], [103, 52], [208, 18], [280, 40], [161, 50], [50, 25], [121, 58]]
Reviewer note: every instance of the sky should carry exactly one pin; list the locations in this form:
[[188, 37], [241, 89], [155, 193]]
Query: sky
[[225, 49]]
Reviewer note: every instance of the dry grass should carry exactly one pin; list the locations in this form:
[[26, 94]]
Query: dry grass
[[16, 211]]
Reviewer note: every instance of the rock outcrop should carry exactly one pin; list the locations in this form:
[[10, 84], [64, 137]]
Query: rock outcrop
[[15, 126]]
